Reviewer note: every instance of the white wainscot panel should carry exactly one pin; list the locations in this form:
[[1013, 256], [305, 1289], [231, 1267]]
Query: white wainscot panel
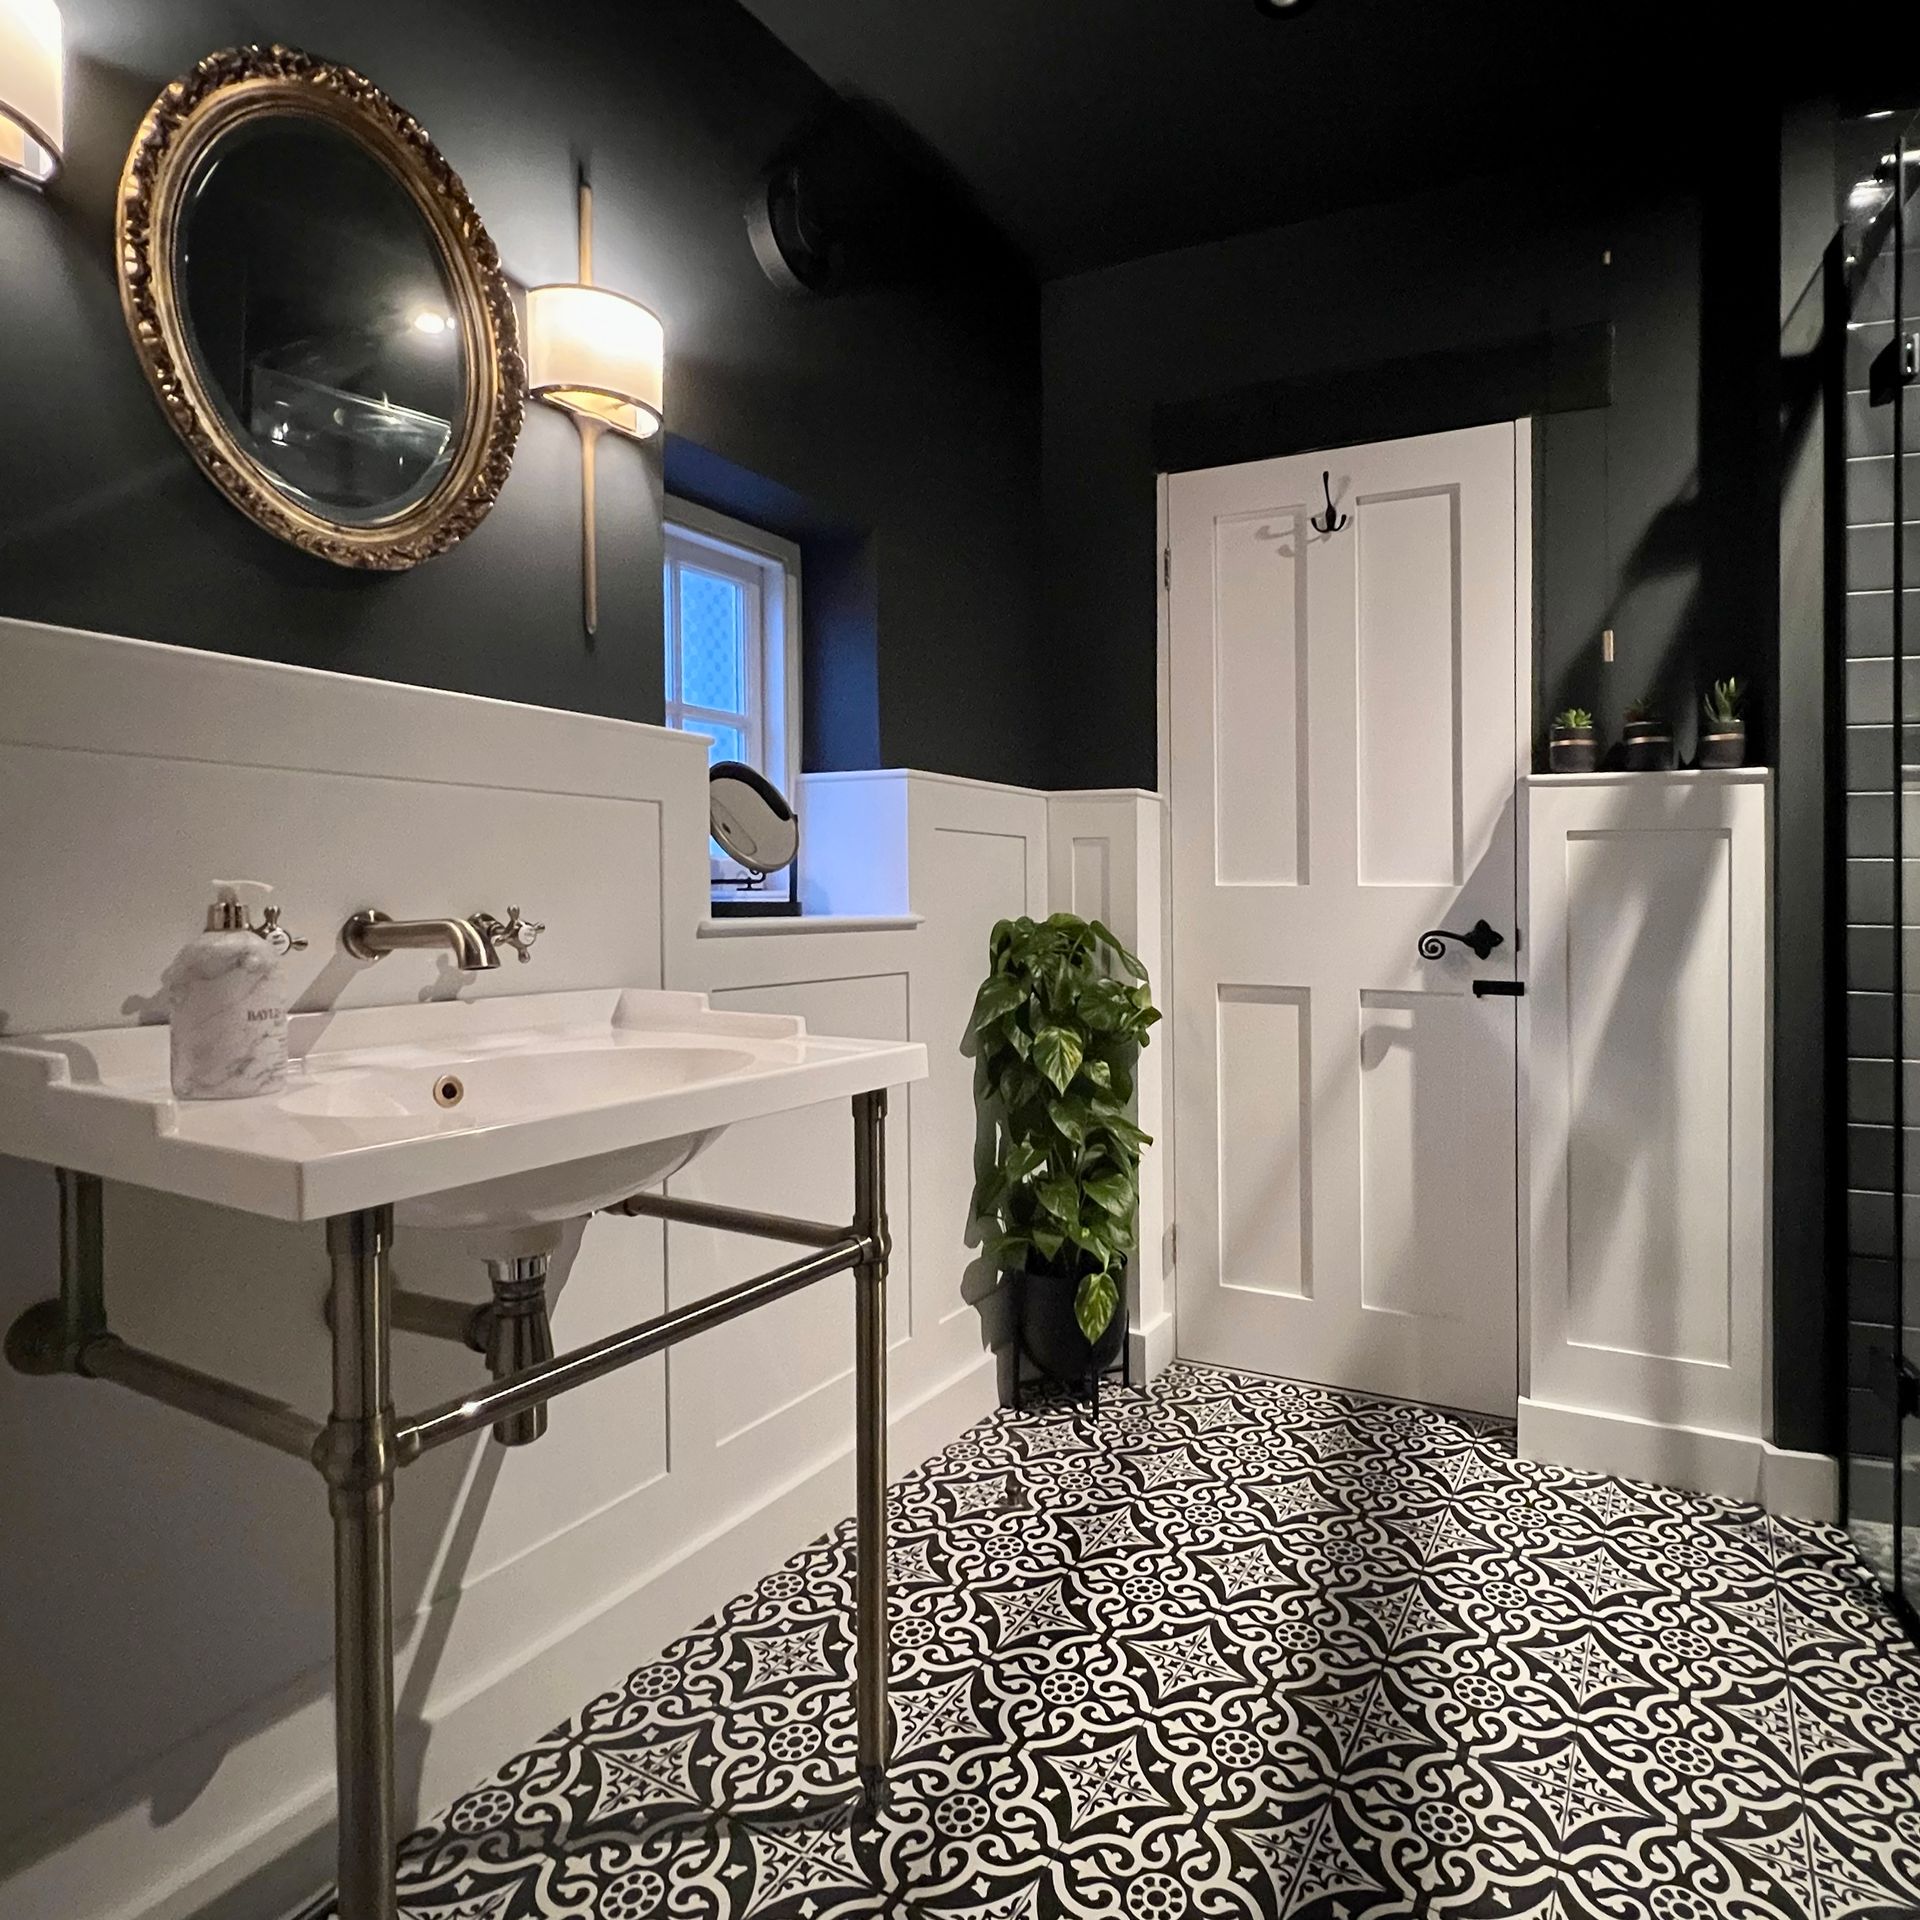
[[1260, 743], [974, 878], [1423, 1065], [773, 1390], [1266, 1091], [1104, 855], [1648, 992], [1647, 1048], [201, 1782], [1407, 550]]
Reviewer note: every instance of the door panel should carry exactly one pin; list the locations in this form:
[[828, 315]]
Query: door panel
[[1342, 734], [1260, 698], [1266, 1097]]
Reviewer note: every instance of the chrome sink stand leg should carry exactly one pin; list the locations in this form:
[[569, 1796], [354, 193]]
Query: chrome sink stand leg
[[870, 1445], [357, 1455]]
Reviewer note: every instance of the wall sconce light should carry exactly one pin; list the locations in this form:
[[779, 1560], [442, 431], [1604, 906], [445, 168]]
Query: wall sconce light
[[601, 357], [32, 119]]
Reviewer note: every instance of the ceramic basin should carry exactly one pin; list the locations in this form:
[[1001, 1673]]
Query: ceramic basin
[[493, 1088], [506, 1114]]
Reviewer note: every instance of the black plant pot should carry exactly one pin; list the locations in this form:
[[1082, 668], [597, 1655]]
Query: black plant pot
[[1646, 746], [1051, 1335], [1724, 744], [1572, 750]]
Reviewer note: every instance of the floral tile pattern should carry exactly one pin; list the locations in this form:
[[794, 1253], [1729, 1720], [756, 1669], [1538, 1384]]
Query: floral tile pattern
[[1246, 1648]]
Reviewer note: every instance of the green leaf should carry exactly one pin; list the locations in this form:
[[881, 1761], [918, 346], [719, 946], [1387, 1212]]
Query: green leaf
[[1024, 1159], [990, 1193], [1057, 1052], [1114, 1191], [1099, 1073], [1070, 1118], [1016, 1085], [1047, 1243], [1060, 1197], [1107, 1006], [1007, 1251], [1119, 1122], [1016, 1036], [997, 996], [1130, 961], [1094, 1303]]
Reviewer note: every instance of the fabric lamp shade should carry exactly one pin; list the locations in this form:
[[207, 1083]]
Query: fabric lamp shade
[[597, 354], [32, 109]]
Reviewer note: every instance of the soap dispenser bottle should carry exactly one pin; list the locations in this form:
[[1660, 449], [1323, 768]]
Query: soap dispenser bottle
[[229, 1013]]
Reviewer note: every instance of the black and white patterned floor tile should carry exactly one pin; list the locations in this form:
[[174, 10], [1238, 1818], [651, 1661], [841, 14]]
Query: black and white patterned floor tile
[[1241, 1648]]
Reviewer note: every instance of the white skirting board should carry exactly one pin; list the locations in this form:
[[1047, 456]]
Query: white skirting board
[[1150, 1349], [1733, 1465]]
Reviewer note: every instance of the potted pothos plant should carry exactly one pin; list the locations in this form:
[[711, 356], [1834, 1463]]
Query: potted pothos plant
[[1059, 1023]]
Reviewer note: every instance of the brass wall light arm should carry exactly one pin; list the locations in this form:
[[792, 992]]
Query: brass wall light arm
[[600, 357]]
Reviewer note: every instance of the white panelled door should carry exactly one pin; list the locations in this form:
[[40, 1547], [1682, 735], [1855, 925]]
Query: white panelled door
[[1343, 732]]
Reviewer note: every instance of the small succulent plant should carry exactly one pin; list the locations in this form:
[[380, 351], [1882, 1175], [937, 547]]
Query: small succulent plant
[[1643, 713], [1723, 703], [1573, 720]]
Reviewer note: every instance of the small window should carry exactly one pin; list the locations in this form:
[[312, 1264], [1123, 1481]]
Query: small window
[[733, 640]]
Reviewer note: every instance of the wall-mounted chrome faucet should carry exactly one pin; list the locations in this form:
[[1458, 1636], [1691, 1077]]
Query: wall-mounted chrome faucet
[[473, 942]]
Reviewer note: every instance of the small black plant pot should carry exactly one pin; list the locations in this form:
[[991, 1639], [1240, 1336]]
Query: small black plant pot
[[1646, 746], [1051, 1336], [1723, 743], [1572, 750]]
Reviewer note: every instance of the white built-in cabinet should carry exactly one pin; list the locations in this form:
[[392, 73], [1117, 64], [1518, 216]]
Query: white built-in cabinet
[[1645, 1136]]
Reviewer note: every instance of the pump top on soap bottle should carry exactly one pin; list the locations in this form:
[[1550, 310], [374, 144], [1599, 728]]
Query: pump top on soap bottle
[[228, 1038], [228, 914]]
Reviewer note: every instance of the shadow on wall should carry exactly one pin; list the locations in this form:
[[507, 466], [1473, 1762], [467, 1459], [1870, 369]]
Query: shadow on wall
[[240, 1297], [1694, 289]]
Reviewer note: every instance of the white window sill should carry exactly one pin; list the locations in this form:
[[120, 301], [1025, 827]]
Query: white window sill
[[745, 926]]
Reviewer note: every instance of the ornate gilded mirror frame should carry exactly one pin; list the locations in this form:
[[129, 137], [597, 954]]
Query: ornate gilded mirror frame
[[225, 90]]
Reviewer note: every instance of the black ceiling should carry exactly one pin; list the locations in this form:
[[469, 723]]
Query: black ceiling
[[1091, 131]]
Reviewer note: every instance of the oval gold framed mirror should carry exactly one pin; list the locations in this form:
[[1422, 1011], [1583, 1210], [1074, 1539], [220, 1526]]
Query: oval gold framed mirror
[[319, 309]]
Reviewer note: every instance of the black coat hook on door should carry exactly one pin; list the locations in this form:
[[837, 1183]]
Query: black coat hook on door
[[1330, 521]]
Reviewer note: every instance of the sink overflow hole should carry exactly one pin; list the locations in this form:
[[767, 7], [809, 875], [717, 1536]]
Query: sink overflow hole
[[448, 1090]]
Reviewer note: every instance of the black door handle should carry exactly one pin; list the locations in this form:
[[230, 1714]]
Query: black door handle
[[1499, 989], [1479, 938]]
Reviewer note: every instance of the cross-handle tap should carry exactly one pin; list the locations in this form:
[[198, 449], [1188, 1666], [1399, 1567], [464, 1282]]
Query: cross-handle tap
[[512, 932]]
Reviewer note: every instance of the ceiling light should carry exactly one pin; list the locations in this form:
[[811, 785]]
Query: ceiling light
[[427, 321], [32, 115], [1281, 9]]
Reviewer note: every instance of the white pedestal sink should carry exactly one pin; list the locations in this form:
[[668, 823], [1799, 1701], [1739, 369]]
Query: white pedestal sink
[[497, 1118]]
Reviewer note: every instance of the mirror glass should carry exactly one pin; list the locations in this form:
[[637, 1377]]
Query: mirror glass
[[751, 818], [323, 322]]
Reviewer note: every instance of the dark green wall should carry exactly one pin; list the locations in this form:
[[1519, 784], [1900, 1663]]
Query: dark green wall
[[907, 418], [1655, 513]]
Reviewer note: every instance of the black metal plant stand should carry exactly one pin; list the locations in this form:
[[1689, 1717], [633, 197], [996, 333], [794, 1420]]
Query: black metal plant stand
[[1087, 1383]]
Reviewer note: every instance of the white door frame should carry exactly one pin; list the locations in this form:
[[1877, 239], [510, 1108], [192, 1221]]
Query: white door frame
[[1526, 628]]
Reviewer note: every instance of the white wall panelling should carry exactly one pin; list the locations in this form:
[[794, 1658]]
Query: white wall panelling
[[1106, 859], [1647, 1124], [165, 1586]]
